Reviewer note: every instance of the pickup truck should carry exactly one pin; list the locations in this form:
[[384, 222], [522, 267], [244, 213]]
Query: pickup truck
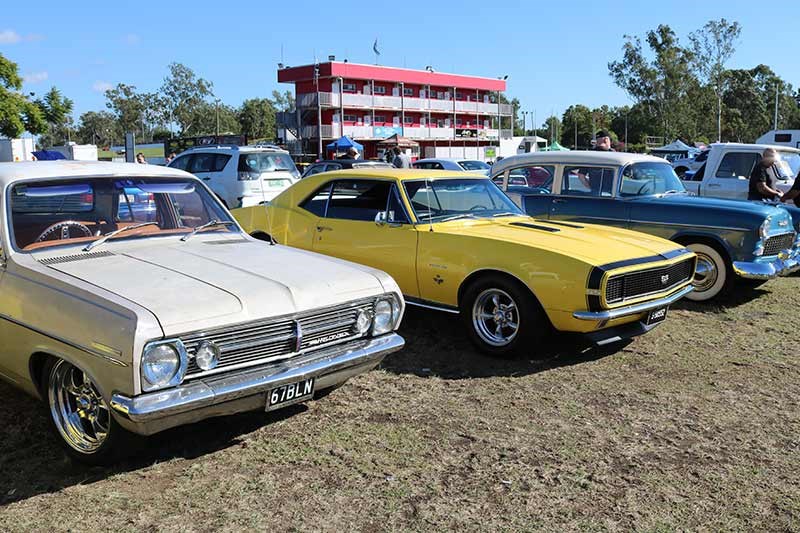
[[726, 172]]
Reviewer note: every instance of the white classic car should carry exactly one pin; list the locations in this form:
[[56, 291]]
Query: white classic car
[[132, 302]]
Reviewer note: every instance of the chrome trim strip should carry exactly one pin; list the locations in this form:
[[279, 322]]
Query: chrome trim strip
[[62, 340], [611, 314], [787, 262], [200, 394], [425, 304], [689, 225]]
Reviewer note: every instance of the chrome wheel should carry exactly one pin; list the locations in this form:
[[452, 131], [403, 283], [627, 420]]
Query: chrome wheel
[[79, 412], [706, 273], [495, 317]]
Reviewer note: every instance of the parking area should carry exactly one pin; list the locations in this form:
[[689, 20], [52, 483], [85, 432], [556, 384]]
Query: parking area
[[695, 426]]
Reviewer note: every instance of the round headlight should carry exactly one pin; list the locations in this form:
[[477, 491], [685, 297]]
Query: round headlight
[[207, 356], [363, 322], [763, 231], [160, 363], [384, 315]]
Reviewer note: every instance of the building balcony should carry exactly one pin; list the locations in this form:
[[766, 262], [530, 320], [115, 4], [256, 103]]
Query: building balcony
[[334, 131], [368, 101]]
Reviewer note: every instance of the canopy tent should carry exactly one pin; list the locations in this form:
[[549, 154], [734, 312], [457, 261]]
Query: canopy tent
[[48, 155], [676, 148], [343, 143], [555, 147], [399, 141]]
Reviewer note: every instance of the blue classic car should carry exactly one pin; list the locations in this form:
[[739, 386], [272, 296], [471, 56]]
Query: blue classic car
[[749, 240]]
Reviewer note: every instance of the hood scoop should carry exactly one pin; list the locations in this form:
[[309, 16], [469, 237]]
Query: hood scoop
[[72, 258], [534, 226]]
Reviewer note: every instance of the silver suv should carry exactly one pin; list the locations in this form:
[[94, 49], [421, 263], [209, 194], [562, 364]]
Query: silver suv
[[241, 176]]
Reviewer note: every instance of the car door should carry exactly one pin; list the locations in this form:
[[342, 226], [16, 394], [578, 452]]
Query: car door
[[587, 195], [365, 222], [732, 177]]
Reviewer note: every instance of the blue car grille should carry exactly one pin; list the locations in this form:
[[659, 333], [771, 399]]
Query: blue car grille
[[776, 243], [264, 341], [641, 283]]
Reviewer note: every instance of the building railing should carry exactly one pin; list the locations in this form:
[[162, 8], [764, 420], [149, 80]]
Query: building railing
[[368, 101], [334, 131]]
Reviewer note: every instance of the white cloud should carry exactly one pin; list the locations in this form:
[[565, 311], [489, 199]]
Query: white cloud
[[132, 39], [101, 86], [33, 37], [9, 37], [34, 77]]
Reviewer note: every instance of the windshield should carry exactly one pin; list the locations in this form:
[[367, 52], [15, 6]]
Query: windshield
[[474, 165], [646, 179], [45, 214], [790, 161], [440, 199], [266, 162]]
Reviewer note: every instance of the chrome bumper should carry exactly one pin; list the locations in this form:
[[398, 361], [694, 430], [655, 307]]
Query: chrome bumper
[[787, 262], [620, 312], [246, 390]]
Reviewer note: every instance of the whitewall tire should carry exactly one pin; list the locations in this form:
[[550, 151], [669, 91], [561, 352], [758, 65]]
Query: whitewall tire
[[713, 274]]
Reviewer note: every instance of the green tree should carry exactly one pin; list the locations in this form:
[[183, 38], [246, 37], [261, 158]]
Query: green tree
[[713, 46], [97, 127], [57, 112], [257, 118], [128, 108], [577, 120], [202, 119], [661, 83], [283, 101], [551, 129], [183, 93], [18, 113]]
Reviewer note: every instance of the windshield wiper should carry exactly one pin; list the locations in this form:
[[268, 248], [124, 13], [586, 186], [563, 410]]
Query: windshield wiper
[[456, 217], [673, 191], [209, 224], [104, 238], [507, 214]]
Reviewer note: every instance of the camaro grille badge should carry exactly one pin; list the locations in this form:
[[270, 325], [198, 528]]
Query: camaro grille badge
[[665, 279]]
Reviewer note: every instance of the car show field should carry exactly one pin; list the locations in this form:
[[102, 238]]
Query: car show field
[[692, 427]]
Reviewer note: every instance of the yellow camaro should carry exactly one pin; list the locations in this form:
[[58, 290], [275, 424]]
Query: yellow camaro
[[454, 242]]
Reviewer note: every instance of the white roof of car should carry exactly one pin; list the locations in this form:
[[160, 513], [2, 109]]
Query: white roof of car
[[451, 159], [573, 158], [11, 172], [236, 148], [753, 147]]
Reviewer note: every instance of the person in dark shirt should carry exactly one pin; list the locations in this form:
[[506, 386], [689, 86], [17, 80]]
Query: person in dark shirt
[[592, 178], [762, 181], [793, 193]]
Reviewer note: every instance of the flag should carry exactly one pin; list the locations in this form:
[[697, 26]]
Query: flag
[[375, 48]]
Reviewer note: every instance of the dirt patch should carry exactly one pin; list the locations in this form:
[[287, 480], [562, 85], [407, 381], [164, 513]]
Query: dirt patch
[[695, 426]]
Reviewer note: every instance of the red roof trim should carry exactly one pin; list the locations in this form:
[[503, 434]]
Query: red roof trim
[[391, 74]]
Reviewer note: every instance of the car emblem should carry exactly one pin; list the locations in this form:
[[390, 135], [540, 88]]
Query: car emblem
[[783, 223], [664, 279]]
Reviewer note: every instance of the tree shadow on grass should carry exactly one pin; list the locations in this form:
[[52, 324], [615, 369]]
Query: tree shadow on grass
[[32, 461], [437, 345]]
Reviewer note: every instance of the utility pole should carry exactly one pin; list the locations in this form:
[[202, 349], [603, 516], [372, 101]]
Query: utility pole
[[216, 111], [776, 107]]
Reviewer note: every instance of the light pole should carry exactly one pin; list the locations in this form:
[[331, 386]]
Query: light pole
[[216, 112], [319, 111], [499, 116]]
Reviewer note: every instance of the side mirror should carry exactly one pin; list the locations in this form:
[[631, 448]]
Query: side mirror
[[386, 218], [381, 218]]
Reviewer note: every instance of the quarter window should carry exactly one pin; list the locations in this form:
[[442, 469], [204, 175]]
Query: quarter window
[[532, 176], [587, 181], [316, 203], [181, 162]]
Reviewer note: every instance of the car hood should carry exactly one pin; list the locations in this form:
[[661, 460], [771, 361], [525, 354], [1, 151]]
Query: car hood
[[209, 283], [685, 200], [593, 244]]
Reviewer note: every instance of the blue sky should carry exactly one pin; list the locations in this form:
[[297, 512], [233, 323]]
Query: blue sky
[[555, 53]]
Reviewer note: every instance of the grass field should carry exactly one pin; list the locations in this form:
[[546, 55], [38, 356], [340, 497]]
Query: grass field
[[695, 426]]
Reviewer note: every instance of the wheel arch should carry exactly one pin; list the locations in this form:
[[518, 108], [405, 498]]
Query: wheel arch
[[36, 365], [709, 240], [478, 274]]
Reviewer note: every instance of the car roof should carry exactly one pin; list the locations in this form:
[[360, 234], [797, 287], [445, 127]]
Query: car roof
[[451, 159], [574, 157], [755, 147], [12, 172], [402, 174], [235, 148]]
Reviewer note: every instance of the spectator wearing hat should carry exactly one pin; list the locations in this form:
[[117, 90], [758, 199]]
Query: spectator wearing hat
[[351, 153], [603, 142]]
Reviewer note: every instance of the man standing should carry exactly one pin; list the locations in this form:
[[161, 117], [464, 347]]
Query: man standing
[[401, 160], [351, 153], [762, 182], [603, 142]]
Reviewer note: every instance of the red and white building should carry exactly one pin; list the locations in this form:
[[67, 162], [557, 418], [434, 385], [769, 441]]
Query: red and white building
[[369, 103]]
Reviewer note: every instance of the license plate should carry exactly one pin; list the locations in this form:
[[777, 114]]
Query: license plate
[[656, 315], [284, 395], [276, 184]]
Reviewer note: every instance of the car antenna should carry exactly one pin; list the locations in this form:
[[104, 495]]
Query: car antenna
[[430, 207]]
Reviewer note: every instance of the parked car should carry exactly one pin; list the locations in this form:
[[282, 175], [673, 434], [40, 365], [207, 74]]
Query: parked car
[[461, 165], [726, 173], [240, 175], [134, 325], [685, 164], [454, 242], [748, 240], [339, 164]]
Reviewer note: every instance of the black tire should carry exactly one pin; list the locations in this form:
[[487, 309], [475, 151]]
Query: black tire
[[478, 302], [74, 427]]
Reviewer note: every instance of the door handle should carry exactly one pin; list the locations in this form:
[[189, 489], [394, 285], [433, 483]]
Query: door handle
[[206, 179], [324, 228], [559, 201], [714, 185]]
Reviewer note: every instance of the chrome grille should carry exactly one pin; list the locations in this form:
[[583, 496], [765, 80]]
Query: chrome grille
[[641, 283], [776, 243], [267, 340]]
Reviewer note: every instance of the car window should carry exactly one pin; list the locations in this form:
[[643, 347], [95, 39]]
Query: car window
[[587, 181], [220, 162], [532, 176], [265, 162], [702, 156], [74, 201], [646, 179], [332, 166], [358, 199], [440, 199], [181, 162], [136, 205], [474, 165], [314, 169], [202, 163], [735, 164], [318, 201], [395, 212]]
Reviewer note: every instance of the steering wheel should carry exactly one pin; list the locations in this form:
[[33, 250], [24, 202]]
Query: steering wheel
[[66, 226], [478, 206]]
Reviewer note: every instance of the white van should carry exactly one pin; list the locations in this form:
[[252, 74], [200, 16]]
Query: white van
[[781, 138], [241, 176]]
